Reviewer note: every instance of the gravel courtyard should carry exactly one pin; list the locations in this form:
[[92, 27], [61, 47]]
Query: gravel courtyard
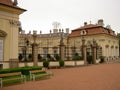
[[93, 77]]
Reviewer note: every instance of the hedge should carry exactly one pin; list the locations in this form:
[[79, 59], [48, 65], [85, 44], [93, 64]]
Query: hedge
[[23, 70]]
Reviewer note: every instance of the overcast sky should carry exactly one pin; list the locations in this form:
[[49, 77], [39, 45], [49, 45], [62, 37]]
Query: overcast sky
[[71, 14]]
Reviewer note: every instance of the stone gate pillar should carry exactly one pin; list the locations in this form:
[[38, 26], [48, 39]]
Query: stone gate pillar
[[84, 51], [94, 54], [35, 54], [35, 49], [94, 48], [84, 54], [62, 52], [62, 47]]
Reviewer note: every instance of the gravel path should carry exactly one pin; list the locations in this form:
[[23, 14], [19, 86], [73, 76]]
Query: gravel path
[[94, 77]]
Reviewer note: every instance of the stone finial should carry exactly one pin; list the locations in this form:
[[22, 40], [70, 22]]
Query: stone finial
[[34, 32], [100, 22], [85, 23], [67, 30], [50, 31], [15, 3], [40, 32], [29, 32]]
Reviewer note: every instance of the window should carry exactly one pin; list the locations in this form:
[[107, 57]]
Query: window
[[83, 32], [1, 49]]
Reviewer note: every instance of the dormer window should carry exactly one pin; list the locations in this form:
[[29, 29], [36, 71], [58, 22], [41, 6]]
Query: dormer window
[[83, 32]]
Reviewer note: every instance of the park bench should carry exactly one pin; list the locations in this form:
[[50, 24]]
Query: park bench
[[6, 77], [39, 74]]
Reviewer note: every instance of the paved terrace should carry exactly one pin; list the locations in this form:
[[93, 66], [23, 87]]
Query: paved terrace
[[93, 77]]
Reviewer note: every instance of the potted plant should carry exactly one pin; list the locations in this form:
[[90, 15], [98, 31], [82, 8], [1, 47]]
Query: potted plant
[[61, 63]]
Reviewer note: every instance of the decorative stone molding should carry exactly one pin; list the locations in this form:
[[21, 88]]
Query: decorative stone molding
[[116, 47], [106, 46], [14, 22], [112, 46], [2, 33]]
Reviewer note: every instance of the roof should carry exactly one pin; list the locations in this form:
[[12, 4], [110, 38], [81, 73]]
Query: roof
[[7, 2], [87, 26], [10, 4], [91, 29]]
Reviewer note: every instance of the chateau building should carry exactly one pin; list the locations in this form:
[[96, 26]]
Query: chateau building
[[105, 37], [16, 46]]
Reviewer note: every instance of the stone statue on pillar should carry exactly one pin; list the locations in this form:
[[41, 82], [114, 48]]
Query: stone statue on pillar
[[94, 49], [35, 49], [84, 51], [62, 47]]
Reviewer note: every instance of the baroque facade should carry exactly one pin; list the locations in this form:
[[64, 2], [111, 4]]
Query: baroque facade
[[17, 47], [105, 37]]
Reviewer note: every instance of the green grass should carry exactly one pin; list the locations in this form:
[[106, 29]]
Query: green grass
[[18, 81], [10, 80]]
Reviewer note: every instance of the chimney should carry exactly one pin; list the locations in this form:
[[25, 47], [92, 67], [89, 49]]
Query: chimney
[[67, 30], [34, 31], [85, 23], [55, 30], [100, 22]]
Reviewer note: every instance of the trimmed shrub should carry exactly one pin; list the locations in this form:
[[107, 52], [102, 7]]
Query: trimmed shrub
[[102, 59], [77, 57], [57, 57], [89, 59], [61, 63], [46, 63], [23, 70]]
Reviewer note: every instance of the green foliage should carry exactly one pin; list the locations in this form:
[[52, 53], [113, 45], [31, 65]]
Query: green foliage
[[30, 57], [39, 57], [46, 63], [89, 59], [23, 70], [102, 59], [49, 57], [61, 63], [20, 57], [77, 57], [57, 57]]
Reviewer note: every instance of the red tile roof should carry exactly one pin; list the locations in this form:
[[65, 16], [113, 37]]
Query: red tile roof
[[87, 26], [91, 29], [7, 2]]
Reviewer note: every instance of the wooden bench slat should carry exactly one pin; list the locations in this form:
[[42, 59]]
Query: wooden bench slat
[[36, 71], [10, 74], [33, 74], [21, 77]]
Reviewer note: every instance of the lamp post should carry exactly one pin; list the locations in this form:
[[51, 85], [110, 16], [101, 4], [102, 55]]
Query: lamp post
[[35, 49]]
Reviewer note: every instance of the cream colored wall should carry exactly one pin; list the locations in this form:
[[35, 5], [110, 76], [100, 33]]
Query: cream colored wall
[[10, 41], [101, 39]]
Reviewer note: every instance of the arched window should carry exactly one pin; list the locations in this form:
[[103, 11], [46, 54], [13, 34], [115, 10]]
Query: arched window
[[2, 36], [83, 32]]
